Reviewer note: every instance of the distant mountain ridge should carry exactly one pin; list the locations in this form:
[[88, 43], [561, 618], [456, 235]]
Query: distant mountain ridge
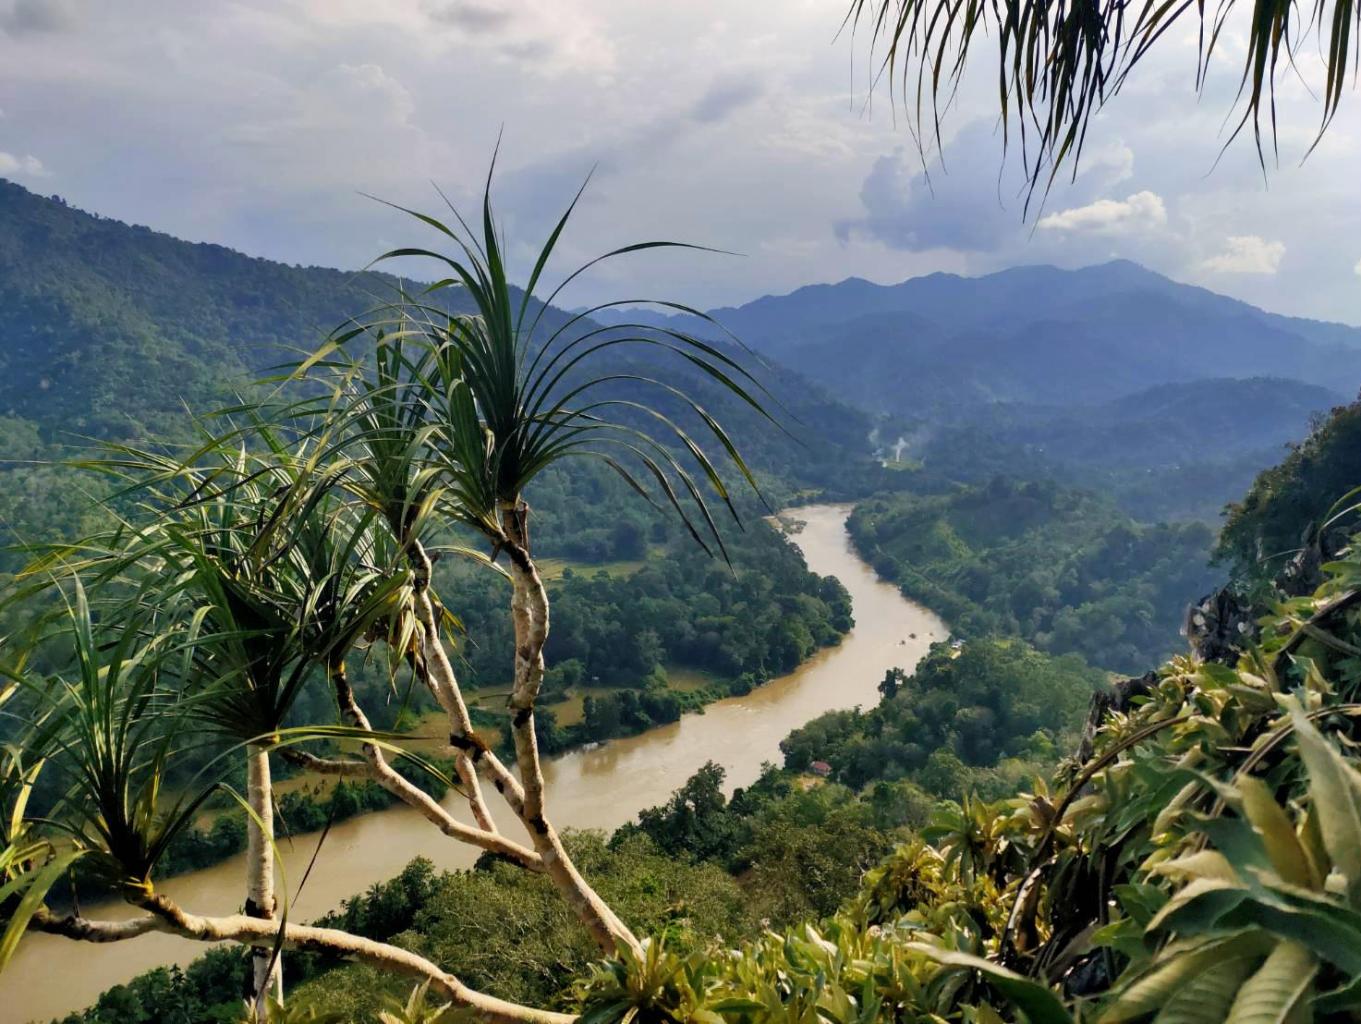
[[941, 342]]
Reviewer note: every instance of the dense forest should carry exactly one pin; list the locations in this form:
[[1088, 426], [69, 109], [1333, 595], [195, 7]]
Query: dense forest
[[283, 545], [983, 716], [697, 869], [1061, 568]]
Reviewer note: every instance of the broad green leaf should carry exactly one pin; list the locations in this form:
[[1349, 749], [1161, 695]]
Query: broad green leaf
[[1198, 906], [1332, 932], [1278, 834], [1281, 986], [1206, 864], [1206, 998], [1179, 965], [1039, 1003], [1335, 788]]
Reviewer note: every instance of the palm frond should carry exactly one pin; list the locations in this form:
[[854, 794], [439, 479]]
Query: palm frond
[[1057, 65], [502, 396]]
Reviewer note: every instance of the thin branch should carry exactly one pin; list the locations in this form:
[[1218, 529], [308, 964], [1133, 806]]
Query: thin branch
[[84, 929], [325, 765], [166, 916], [390, 779], [529, 615]]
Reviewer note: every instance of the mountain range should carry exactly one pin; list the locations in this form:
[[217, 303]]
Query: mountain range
[[941, 345], [1111, 375]]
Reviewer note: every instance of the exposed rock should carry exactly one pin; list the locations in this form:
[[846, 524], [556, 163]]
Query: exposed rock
[[1217, 625]]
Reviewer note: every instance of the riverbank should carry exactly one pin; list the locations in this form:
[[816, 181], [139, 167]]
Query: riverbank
[[598, 788]]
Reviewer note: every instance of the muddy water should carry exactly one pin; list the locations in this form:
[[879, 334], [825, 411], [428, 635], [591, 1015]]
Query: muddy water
[[600, 788]]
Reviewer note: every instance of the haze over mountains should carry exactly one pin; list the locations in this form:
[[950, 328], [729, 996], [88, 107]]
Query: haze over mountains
[[1088, 375], [1112, 376], [942, 343]]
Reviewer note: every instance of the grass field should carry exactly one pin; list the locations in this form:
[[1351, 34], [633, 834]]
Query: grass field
[[553, 568]]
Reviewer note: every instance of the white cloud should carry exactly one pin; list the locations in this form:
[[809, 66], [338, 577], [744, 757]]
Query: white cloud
[[1357, 269], [255, 123], [21, 166], [1246, 254], [1139, 211], [1113, 163]]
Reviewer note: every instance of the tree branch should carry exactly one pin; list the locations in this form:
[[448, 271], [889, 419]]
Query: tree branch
[[324, 765], [471, 757], [413, 796], [166, 916], [84, 929]]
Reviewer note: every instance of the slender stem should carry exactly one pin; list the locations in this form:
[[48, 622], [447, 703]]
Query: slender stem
[[530, 616], [395, 783], [470, 755], [326, 765], [266, 969]]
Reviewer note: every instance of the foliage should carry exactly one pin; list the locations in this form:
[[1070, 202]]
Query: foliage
[[983, 715], [1057, 66], [1205, 859], [1207, 842], [288, 540], [762, 617], [1289, 506], [503, 931], [1060, 568]]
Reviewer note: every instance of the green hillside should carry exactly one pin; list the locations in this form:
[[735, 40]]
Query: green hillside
[[111, 330], [1062, 568]]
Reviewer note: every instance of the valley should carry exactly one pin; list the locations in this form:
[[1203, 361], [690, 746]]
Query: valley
[[601, 788]]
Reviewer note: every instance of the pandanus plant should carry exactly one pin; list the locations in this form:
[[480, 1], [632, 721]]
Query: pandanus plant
[[241, 566], [274, 550], [1266, 925], [488, 400]]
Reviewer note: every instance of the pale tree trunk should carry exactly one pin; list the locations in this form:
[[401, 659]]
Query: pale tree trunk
[[470, 758], [529, 615], [267, 977], [474, 758]]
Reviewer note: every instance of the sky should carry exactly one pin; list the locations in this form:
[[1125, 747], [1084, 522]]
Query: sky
[[748, 127]]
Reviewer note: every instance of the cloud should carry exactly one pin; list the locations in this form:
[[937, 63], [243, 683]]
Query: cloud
[[958, 207], [1357, 269], [22, 166], [470, 16], [1111, 163], [1246, 254], [725, 96], [542, 36], [1137, 212], [37, 16]]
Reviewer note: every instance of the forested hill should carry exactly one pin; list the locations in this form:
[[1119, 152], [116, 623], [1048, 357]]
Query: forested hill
[[1175, 451], [1060, 568], [105, 327], [112, 330]]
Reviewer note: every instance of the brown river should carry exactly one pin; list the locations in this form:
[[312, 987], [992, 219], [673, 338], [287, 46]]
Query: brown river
[[598, 788]]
